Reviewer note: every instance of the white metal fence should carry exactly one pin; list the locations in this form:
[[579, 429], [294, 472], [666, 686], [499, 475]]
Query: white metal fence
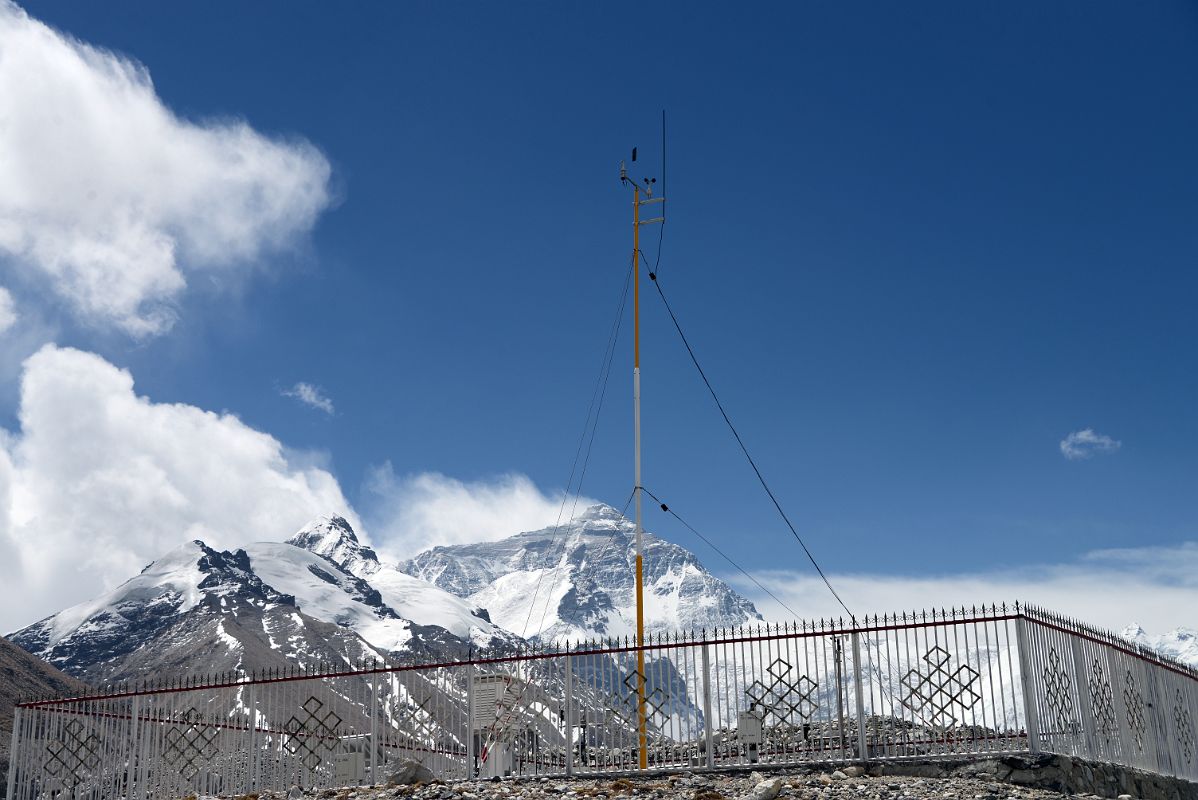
[[988, 680]]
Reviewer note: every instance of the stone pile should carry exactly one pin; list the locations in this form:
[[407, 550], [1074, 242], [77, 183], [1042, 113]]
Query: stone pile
[[1008, 778]]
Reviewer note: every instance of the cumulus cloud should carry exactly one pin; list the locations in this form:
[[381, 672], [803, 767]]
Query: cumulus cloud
[[412, 513], [110, 199], [98, 482], [1109, 588], [1086, 443], [8, 310], [310, 395]]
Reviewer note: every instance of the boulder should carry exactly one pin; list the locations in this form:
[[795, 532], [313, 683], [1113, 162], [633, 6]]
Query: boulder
[[767, 789], [408, 772]]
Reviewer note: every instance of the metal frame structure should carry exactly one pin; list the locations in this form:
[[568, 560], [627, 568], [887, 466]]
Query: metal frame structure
[[948, 683]]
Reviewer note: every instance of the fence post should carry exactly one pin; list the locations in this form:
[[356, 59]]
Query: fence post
[[1031, 714], [134, 769], [1085, 738], [707, 733], [374, 727], [859, 684], [470, 719], [569, 714], [257, 737], [12, 754], [838, 660]]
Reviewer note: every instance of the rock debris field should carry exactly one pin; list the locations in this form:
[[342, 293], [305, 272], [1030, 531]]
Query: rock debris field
[[847, 783]]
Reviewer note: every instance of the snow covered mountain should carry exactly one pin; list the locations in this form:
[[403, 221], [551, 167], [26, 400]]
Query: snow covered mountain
[[580, 583], [332, 539], [324, 597], [1181, 644], [197, 610], [193, 611]]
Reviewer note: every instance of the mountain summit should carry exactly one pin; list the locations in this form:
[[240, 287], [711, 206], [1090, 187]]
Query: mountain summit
[[577, 581], [334, 540], [332, 537], [196, 610], [326, 597], [267, 605], [1181, 644]]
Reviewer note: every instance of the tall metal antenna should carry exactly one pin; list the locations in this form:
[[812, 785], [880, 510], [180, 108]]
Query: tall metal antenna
[[645, 187]]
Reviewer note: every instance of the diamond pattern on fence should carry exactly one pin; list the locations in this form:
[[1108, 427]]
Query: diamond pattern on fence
[[1185, 728], [189, 749], [784, 698], [938, 690], [655, 702], [74, 754], [1134, 701], [415, 719], [1058, 689], [1102, 701], [106, 748], [314, 734]]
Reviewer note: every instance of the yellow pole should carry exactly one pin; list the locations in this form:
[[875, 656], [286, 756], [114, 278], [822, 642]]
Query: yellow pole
[[642, 722]]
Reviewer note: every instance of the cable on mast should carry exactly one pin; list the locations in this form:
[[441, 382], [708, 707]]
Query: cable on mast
[[661, 233], [598, 394], [726, 557], [743, 448]]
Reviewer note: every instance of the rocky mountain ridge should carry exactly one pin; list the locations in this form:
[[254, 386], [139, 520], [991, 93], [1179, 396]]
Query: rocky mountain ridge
[[576, 581], [1180, 643], [269, 605], [332, 539], [325, 597]]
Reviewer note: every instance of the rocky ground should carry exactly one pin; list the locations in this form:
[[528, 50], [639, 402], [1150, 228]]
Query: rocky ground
[[847, 783]]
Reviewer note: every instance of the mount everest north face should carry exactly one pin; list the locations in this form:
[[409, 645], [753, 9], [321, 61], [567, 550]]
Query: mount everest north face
[[325, 598]]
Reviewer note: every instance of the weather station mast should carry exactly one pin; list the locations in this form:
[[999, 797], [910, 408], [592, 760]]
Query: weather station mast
[[645, 188]]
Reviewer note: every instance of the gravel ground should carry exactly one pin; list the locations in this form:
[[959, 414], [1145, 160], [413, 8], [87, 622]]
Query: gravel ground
[[798, 784]]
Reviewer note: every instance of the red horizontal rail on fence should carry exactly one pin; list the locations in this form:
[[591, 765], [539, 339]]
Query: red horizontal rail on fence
[[792, 633], [1165, 665]]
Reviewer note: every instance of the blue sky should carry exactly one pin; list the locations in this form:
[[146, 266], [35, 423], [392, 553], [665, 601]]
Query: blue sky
[[915, 247]]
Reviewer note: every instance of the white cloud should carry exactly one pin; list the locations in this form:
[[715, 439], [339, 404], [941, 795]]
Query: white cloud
[[98, 482], [310, 395], [8, 310], [1085, 443], [1157, 586], [415, 512], [111, 199]]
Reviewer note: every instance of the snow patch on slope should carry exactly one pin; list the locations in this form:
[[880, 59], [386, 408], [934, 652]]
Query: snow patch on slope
[[584, 571], [223, 635], [324, 592], [173, 579], [518, 601], [411, 597], [1181, 644]]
